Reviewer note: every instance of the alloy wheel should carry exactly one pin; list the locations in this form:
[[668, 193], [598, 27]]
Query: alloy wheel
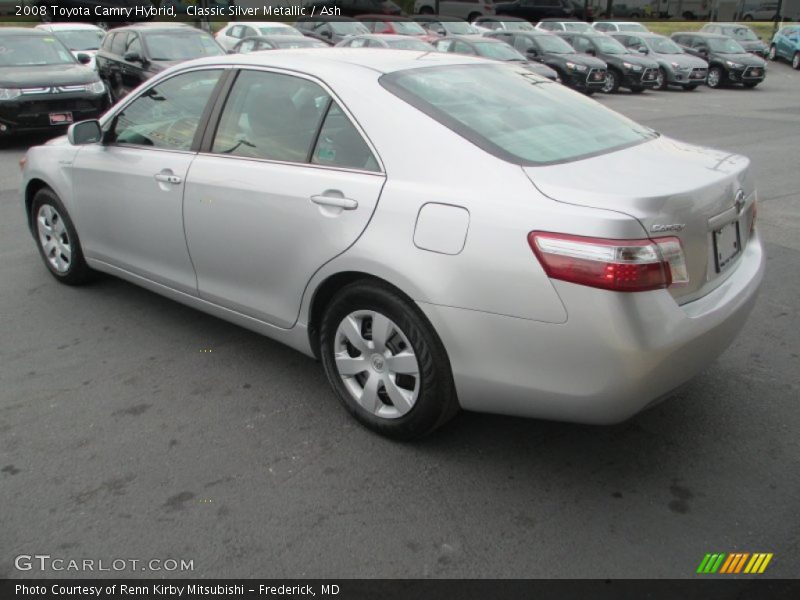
[[661, 79], [714, 77], [610, 82], [773, 53], [796, 61], [377, 364], [54, 238]]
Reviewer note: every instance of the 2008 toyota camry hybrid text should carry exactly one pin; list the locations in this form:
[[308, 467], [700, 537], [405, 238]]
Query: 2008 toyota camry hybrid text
[[441, 231]]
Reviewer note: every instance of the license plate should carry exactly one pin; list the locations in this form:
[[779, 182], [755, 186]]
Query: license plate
[[62, 118], [727, 244]]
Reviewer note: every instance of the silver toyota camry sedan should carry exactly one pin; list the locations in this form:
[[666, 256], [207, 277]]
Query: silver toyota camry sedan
[[440, 231]]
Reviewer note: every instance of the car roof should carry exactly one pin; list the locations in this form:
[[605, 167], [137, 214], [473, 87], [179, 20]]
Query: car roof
[[23, 31], [68, 27], [382, 36], [701, 34], [438, 18], [280, 38], [641, 34], [156, 27], [560, 20], [472, 38]]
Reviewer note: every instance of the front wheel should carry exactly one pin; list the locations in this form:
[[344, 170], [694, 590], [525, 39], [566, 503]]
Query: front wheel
[[661, 79], [57, 239], [716, 76], [385, 362], [773, 53], [611, 85]]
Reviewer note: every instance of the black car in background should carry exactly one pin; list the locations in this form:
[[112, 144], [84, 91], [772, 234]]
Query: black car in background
[[536, 10], [581, 72], [741, 33], [91, 5], [330, 30], [625, 68], [131, 55], [42, 85], [728, 62]]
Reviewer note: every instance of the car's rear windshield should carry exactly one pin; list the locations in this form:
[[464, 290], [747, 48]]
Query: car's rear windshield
[[725, 46], [408, 28], [81, 39], [184, 46], [515, 115], [33, 51]]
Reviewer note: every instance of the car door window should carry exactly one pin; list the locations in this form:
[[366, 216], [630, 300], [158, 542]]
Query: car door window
[[120, 43], [134, 45], [236, 31], [167, 115], [462, 48], [523, 44], [582, 44], [341, 145], [271, 116]]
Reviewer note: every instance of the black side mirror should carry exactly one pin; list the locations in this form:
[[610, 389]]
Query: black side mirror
[[133, 57], [703, 51], [532, 53], [643, 49], [591, 52], [84, 58], [85, 132], [325, 33]]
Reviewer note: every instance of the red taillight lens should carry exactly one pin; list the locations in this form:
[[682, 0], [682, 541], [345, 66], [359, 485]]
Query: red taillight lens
[[618, 265]]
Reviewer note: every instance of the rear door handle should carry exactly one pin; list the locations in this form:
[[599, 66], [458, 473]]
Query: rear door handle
[[343, 203], [168, 178]]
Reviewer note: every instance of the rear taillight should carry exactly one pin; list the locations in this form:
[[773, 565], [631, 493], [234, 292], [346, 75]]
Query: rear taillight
[[618, 265]]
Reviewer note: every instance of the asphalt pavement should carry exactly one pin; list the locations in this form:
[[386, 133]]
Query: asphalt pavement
[[132, 427]]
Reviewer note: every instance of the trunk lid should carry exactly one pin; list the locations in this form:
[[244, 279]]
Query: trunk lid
[[672, 189]]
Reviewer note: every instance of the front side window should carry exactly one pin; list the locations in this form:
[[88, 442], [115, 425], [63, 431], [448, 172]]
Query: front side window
[[166, 116], [498, 51], [33, 51], [609, 45], [514, 115]]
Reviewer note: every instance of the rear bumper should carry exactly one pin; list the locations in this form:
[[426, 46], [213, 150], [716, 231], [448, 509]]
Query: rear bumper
[[616, 354]]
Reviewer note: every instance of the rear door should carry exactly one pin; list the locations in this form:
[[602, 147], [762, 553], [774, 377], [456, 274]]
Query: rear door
[[287, 183]]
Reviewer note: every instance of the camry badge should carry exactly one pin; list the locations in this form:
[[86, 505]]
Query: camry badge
[[658, 227]]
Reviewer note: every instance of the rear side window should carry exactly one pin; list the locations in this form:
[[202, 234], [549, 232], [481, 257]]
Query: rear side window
[[513, 114], [341, 145]]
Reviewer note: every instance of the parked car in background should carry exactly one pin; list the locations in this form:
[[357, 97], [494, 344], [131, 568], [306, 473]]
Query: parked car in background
[[741, 33], [584, 73], [131, 55], [330, 30], [396, 25], [728, 62], [351, 8], [92, 5], [234, 32], [468, 10], [786, 44], [442, 26], [675, 67], [536, 10], [759, 11], [43, 86], [80, 38], [625, 68], [611, 26], [556, 25], [275, 42], [493, 49], [505, 23], [308, 213], [387, 41]]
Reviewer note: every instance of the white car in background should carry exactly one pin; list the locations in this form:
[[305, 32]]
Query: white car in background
[[463, 9], [233, 33], [80, 38]]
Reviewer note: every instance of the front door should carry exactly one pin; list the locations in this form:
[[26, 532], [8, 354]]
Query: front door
[[129, 190], [288, 184]]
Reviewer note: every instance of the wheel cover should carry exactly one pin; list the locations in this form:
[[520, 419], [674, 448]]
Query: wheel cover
[[713, 77], [609, 82], [660, 79], [377, 364], [772, 52], [54, 238]]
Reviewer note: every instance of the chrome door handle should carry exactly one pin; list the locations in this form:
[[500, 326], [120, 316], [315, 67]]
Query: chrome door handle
[[344, 203], [167, 178]]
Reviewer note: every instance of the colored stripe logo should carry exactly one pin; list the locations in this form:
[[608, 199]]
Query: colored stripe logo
[[737, 562]]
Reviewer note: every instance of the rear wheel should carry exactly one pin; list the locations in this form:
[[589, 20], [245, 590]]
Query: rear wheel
[[796, 61], [611, 85], [385, 362], [661, 79], [57, 239], [716, 77]]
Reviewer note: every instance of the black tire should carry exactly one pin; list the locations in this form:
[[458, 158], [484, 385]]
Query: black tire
[[426, 10], [436, 401], [614, 78], [473, 16], [748, 18], [588, 92], [77, 272], [664, 82], [636, 89], [690, 87], [773, 53], [751, 84]]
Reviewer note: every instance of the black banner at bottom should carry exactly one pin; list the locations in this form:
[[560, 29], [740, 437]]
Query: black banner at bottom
[[402, 589]]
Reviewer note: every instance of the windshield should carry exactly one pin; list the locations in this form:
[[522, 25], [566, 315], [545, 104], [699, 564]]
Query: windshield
[[554, 44], [513, 114], [518, 26], [744, 34], [725, 46], [458, 28], [609, 45], [577, 27], [24, 50], [664, 46], [279, 31], [408, 28], [184, 46], [348, 28], [410, 44], [631, 27], [85, 39], [498, 51]]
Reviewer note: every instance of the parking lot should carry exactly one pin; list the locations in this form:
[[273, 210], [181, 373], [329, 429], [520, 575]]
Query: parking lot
[[134, 427]]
